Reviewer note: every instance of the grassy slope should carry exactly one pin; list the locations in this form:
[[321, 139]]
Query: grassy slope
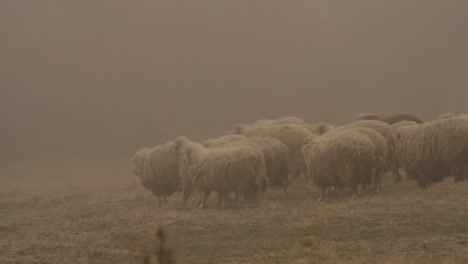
[[104, 223]]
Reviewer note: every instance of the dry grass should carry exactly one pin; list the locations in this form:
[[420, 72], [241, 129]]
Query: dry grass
[[95, 214]]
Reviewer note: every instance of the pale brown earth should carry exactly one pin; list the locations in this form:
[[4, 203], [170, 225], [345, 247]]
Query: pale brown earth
[[93, 212]]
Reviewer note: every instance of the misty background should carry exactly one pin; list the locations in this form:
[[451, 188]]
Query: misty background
[[100, 79]]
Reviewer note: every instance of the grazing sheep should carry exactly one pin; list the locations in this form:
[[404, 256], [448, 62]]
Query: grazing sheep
[[434, 150], [341, 158], [389, 134], [390, 119], [240, 169], [276, 155], [276, 160], [401, 131], [138, 161], [291, 135], [381, 151], [158, 170]]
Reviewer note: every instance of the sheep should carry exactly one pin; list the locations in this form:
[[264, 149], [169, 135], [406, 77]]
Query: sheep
[[400, 150], [401, 130], [276, 160], [291, 135], [388, 133], [276, 156], [223, 141], [390, 119], [435, 150], [240, 169], [340, 158], [158, 170], [138, 161], [381, 151]]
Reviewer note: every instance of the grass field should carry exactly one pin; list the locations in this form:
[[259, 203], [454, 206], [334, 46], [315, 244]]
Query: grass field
[[94, 213]]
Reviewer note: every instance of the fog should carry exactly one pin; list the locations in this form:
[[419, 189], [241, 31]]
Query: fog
[[101, 79]]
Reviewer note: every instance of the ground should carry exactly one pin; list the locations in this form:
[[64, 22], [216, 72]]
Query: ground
[[93, 212]]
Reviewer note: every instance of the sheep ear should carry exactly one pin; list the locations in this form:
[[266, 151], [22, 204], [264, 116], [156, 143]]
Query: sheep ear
[[132, 159]]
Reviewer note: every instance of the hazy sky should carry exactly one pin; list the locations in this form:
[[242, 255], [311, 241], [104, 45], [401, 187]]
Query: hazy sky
[[103, 78]]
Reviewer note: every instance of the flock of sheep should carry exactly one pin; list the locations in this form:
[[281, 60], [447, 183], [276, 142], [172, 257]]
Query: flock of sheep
[[274, 152]]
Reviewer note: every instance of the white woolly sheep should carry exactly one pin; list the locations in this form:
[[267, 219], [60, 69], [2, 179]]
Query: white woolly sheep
[[340, 159], [240, 169], [138, 161], [158, 170], [276, 155], [389, 134], [381, 151], [434, 150], [291, 135]]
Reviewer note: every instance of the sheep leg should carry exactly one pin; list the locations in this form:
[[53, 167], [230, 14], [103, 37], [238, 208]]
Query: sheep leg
[[221, 200], [396, 175], [203, 198], [377, 182], [238, 201], [187, 191], [322, 194], [247, 199], [185, 197], [159, 201]]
